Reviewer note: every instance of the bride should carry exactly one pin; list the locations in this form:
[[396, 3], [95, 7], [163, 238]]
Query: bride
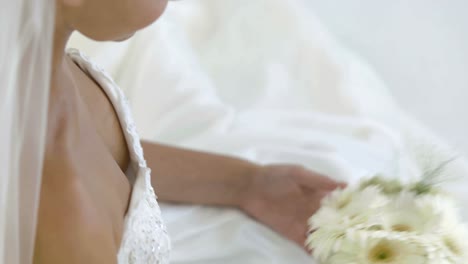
[[77, 187]]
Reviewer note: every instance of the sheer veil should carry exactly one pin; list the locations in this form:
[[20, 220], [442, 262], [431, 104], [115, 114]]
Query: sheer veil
[[26, 41]]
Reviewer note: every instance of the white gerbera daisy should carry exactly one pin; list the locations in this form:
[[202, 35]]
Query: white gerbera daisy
[[353, 202], [442, 206], [332, 218], [325, 241], [369, 225], [378, 251], [388, 186], [405, 214], [325, 216], [455, 244], [339, 198]]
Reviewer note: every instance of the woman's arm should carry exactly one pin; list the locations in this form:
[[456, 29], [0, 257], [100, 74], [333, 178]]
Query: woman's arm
[[187, 176], [282, 197]]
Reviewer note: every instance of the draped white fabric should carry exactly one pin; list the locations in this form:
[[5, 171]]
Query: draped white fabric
[[25, 51], [262, 80]]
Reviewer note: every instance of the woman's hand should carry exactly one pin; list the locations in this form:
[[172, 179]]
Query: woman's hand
[[283, 197]]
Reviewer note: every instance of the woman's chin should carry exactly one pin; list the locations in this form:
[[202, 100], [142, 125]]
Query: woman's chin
[[124, 38]]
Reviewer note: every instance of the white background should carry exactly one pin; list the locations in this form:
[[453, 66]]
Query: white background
[[419, 48]]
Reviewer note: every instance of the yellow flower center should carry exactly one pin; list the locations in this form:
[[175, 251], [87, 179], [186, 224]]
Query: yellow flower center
[[401, 228], [343, 202], [383, 252], [452, 246]]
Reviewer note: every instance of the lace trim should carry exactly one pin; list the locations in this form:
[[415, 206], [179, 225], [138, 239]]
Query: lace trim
[[146, 239], [117, 97]]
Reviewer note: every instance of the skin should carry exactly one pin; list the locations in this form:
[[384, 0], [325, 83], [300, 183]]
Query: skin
[[281, 196], [85, 193]]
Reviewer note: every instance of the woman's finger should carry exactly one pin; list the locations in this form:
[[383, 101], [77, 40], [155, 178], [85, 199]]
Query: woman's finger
[[314, 180]]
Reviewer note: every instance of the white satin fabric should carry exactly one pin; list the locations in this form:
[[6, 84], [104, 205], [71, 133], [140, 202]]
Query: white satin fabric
[[262, 80]]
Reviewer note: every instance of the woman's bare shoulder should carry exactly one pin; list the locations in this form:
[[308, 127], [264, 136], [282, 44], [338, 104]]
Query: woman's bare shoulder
[[76, 223]]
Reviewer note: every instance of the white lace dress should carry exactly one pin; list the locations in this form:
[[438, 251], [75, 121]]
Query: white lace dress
[[145, 239]]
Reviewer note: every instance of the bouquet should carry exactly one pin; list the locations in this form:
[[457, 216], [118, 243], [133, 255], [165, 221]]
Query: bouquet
[[386, 221]]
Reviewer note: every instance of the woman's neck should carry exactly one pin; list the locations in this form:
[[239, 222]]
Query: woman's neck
[[60, 67]]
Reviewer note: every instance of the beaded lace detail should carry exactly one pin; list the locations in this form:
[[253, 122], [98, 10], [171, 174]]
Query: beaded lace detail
[[145, 239]]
